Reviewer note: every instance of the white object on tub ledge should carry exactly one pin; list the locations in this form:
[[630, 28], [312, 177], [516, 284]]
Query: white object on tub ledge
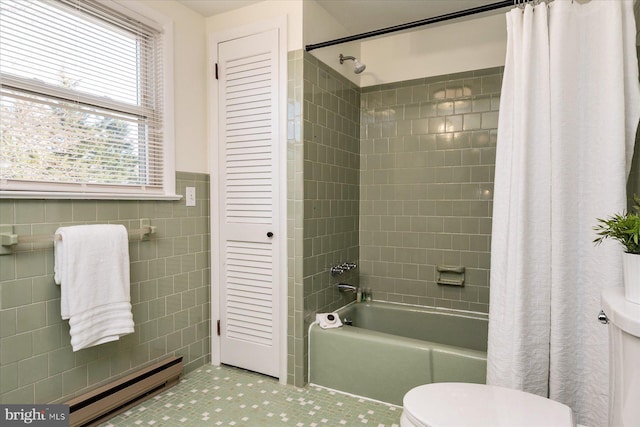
[[328, 320], [92, 266]]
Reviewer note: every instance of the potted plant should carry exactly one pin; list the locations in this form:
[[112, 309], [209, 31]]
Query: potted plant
[[625, 228]]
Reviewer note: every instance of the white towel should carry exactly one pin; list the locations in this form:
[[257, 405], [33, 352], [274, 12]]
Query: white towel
[[92, 267]]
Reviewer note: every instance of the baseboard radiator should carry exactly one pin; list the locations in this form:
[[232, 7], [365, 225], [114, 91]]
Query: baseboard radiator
[[96, 406]]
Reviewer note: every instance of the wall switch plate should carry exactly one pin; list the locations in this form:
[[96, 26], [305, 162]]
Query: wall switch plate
[[190, 197]]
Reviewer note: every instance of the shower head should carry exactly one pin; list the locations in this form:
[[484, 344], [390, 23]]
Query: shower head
[[358, 66]]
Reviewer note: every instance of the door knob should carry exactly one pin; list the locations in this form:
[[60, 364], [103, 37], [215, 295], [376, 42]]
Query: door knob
[[269, 234]]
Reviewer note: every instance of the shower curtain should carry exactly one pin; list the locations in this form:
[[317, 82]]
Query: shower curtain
[[568, 113]]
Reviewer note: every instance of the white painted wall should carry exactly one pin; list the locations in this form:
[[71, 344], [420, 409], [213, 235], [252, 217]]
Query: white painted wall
[[450, 48], [258, 12], [190, 100], [468, 45], [319, 26], [431, 51]]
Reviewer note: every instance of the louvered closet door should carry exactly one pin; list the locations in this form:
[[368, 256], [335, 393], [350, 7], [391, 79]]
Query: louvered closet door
[[249, 282]]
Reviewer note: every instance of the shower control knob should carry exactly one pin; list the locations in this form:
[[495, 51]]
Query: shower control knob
[[269, 234], [602, 317]]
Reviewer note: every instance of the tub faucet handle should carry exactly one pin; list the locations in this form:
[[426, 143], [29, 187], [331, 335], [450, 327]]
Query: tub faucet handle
[[348, 266], [336, 269]]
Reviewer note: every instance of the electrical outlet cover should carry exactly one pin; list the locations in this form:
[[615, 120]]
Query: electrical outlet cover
[[190, 196]]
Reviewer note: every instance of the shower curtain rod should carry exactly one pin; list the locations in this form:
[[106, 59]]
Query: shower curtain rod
[[414, 24]]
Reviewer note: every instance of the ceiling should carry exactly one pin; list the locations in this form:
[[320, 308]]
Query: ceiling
[[216, 7], [358, 16]]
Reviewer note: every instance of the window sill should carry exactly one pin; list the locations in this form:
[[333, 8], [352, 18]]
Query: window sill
[[85, 196]]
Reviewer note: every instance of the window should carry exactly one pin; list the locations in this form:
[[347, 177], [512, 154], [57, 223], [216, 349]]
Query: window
[[81, 101]]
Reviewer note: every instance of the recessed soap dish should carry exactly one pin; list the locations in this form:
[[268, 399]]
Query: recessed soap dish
[[450, 275]]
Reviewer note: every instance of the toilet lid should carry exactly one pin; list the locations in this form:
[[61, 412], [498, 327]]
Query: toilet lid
[[463, 404]]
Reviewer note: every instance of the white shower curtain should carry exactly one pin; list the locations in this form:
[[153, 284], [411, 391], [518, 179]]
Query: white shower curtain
[[569, 109]]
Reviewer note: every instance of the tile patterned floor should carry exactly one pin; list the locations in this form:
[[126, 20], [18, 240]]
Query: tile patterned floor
[[226, 396]]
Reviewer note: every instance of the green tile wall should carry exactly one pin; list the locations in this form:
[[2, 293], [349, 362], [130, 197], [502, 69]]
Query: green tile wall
[[633, 183], [426, 186], [295, 203], [331, 135], [170, 295]]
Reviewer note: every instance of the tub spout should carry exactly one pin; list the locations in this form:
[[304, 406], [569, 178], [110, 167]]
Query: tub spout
[[343, 287]]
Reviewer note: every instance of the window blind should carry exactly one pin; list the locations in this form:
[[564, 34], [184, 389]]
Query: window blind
[[80, 98]]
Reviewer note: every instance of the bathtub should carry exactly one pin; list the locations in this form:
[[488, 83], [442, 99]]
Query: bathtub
[[391, 348]]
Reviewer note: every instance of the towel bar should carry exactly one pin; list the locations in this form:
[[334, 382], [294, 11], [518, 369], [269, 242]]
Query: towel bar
[[9, 239]]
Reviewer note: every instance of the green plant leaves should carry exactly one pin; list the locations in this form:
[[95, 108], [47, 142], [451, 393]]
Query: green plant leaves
[[623, 227]]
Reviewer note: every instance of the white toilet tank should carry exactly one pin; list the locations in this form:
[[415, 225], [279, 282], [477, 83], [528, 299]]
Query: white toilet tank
[[624, 358]]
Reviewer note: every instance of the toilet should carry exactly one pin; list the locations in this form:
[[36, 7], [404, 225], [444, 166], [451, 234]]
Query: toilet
[[465, 404], [440, 404]]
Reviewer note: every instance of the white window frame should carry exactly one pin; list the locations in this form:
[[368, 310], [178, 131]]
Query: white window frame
[[137, 10]]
